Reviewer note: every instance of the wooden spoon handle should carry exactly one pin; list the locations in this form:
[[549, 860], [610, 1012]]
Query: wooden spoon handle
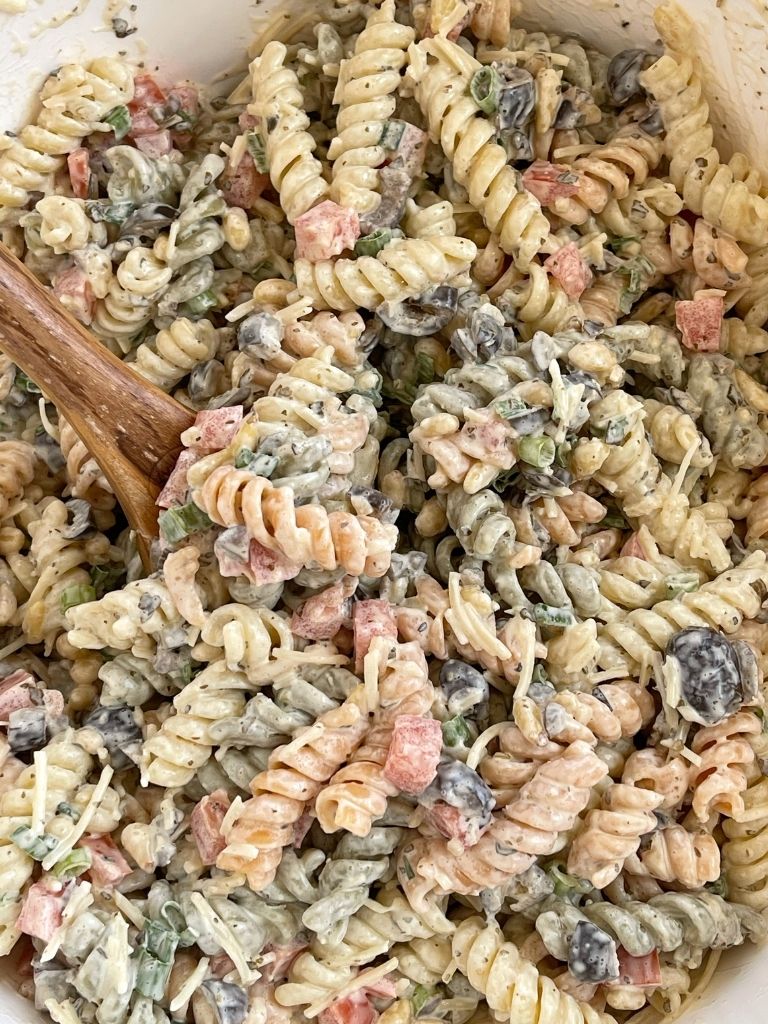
[[129, 426]]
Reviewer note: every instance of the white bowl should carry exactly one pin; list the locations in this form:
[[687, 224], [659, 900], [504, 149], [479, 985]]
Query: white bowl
[[201, 39]]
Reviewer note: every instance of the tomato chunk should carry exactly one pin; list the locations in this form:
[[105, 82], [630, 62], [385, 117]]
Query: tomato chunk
[[355, 1008], [700, 321], [370, 619], [323, 615], [175, 490], [244, 185], [42, 909], [108, 865], [325, 231], [644, 971], [205, 823], [79, 166], [549, 181], [568, 267]]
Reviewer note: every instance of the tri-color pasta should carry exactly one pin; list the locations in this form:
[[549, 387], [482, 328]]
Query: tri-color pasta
[[444, 698]]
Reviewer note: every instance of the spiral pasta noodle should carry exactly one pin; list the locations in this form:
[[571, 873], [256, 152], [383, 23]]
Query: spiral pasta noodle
[[176, 351], [17, 469], [726, 759]]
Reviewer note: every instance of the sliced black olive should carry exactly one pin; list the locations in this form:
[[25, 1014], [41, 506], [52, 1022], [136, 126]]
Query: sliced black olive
[[148, 605], [463, 686], [395, 183], [652, 123], [592, 954], [462, 787], [623, 75], [228, 1000], [709, 669], [260, 335], [206, 380], [517, 98], [481, 339], [233, 543], [148, 221], [79, 519], [368, 501], [117, 725], [421, 316], [27, 729]]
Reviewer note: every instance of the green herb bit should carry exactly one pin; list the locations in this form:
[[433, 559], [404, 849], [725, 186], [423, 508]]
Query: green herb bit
[[370, 245], [614, 519], [538, 451], [681, 583], [38, 847], [199, 305], [74, 864], [421, 995], [719, 887], [485, 88], [508, 408], [104, 580], [547, 615], [25, 383], [425, 369], [616, 430], [244, 458], [391, 134], [151, 974], [80, 593], [178, 523], [456, 732], [68, 811], [112, 213], [407, 869], [258, 150], [120, 121], [567, 886]]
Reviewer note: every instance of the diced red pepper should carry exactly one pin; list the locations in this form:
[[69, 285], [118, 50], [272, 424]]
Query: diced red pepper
[[568, 267], [326, 231], [323, 615], [42, 910], [175, 490], [642, 971], [370, 619], [217, 427], [156, 144], [243, 185], [73, 290], [414, 753], [78, 163], [205, 823], [549, 181], [700, 321], [355, 1008], [146, 93], [248, 121], [108, 866], [451, 823], [265, 566], [187, 97], [143, 124]]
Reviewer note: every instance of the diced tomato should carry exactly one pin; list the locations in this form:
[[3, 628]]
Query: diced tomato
[[284, 955], [243, 185], [42, 909], [73, 290], [78, 163], [325, 231], [414, 753], [549, 181], [265, 566], [108, 865], [146, 93], [16, 693], [568, 267], [323, 615], [633, 548], [205, 823], [175, 490], [142, 124], [355, 1008], [156, 144], [643, 971], [700, 321], [370, 619], [53, 702]]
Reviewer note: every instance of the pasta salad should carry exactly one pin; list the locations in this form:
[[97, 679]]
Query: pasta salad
[[444, 700]]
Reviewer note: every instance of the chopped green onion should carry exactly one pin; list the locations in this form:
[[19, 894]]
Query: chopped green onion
[[244, 458], [562, 454], [38, 847], [74, 864], [178, 523], [199, 305], [456, 732], [537, 451], [567, 886], [505, 480], [24, 383], [508, 408], [370, 245], [425, 369], [546, 615], [155, 959], [258, 150], [619, 242], [68, 811], [407, 869], [484, 88], [104, 580], [639, 272], [172, 914], [616, 430], [80, 593], [614, 519], [120, 120], [681, 583], [420, 997], [719, 887], [391, 134], [539, 675]]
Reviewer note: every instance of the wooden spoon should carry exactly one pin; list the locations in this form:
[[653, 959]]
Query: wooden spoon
[[129, 426]]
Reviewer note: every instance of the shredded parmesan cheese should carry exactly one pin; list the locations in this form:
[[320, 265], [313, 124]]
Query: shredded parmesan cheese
[[62, 1013], [364, 978], [39, 792], [233, 813], [187, 990], [66, 844], [79, 901], [226, 939]]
